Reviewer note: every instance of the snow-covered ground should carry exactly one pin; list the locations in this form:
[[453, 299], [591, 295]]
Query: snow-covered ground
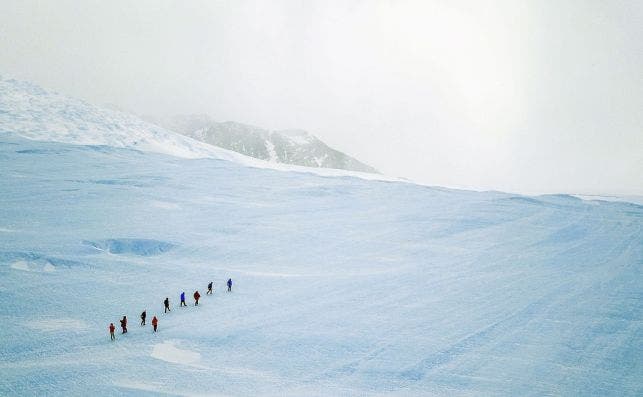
[[343, 286]]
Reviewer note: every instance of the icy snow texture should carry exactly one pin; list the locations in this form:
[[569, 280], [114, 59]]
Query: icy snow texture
[[142, 247], [343, 286], [167, 351]]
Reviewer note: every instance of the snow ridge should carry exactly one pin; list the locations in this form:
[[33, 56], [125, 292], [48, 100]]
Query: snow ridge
[[34, 113]]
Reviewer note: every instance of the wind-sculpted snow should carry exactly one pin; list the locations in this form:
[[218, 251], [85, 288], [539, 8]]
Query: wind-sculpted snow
[[142, 247], [342, 286], [31, 261]]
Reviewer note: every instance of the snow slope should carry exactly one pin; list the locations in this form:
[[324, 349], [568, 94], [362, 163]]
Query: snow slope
[[343, 286], [35, 113]]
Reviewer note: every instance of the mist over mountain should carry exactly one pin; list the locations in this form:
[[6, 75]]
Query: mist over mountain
[[297, 147]]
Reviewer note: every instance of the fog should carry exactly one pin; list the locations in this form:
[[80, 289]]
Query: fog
[[521, 96]]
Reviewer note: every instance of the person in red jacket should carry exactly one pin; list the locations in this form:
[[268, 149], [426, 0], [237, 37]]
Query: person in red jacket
[[196, 298], [155, 322], [111, 331]]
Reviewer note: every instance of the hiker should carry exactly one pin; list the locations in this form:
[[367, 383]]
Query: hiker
[[143, 316], [229, 284], [197, 295], [209, 288], [183, 299], [155, 322], [111, 331], [166, 302], [124, 324]]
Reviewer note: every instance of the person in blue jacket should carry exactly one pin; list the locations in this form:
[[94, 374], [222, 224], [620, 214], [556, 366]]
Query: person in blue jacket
[[183, 299], [229, 284]]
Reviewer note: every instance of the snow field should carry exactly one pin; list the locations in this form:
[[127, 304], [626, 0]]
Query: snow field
[[343, 285]]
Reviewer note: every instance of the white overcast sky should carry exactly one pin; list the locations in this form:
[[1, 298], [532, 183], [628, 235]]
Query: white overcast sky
[[524, 96]]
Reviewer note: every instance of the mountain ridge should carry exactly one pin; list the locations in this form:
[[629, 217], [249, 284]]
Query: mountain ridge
[[48, 115], [288, 146]]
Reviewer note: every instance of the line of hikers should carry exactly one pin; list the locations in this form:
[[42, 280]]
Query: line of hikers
[[166, 304]]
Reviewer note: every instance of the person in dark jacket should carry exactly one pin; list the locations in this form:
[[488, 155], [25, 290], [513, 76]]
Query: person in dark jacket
[[197, 295], [209, 288], [229, 284], [183, 299], [143, 316], [155, 322], [124, 324], [111, 331], [166, 302]]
